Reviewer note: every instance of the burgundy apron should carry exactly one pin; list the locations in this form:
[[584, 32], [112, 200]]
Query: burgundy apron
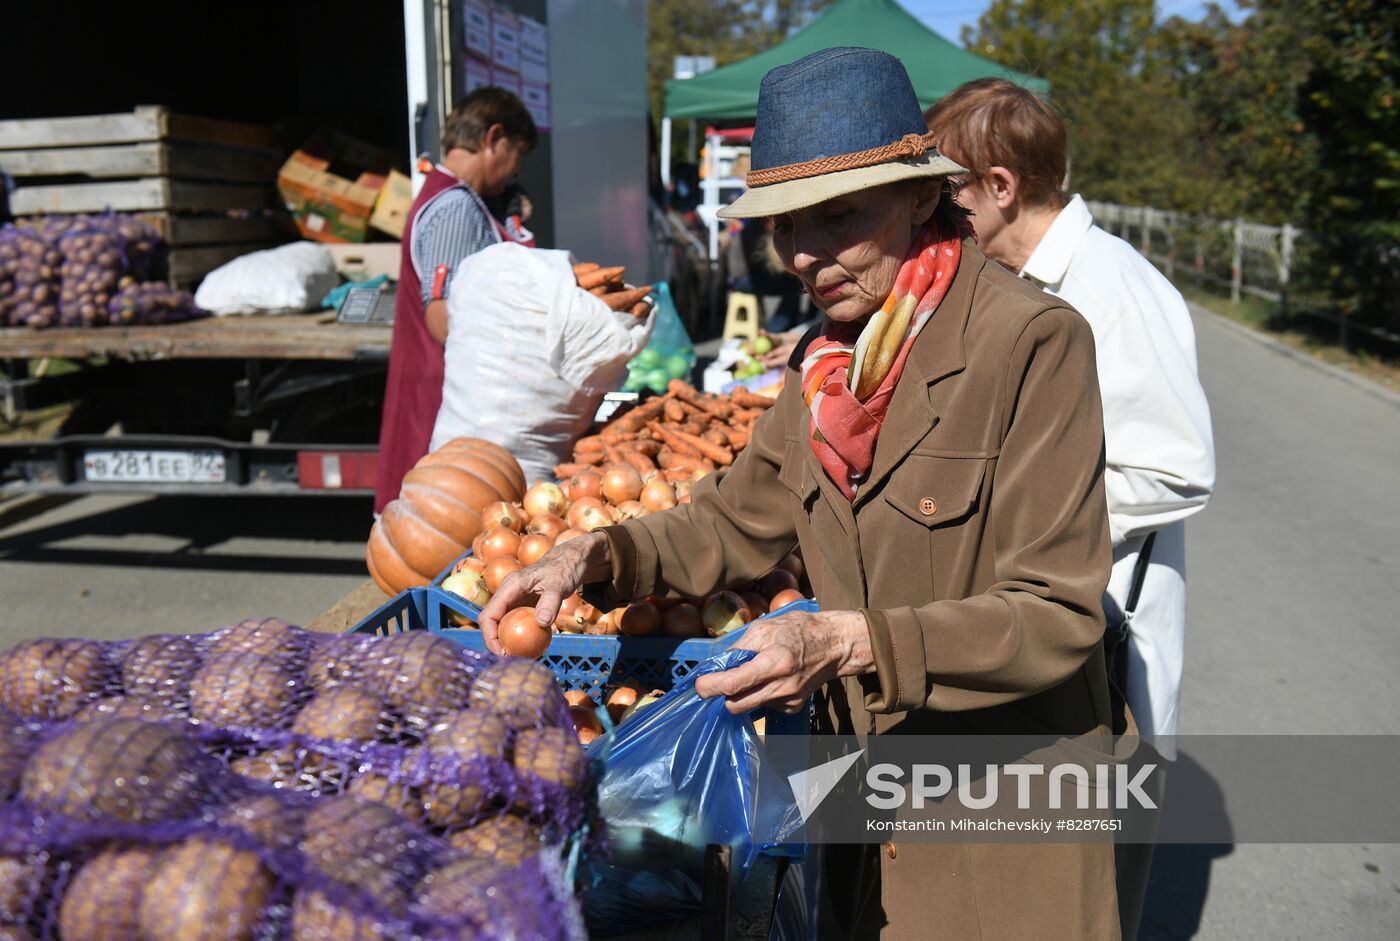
[[414, 390]]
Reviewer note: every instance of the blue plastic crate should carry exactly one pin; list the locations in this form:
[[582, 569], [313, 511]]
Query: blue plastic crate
[[594, 662], [406, 612]]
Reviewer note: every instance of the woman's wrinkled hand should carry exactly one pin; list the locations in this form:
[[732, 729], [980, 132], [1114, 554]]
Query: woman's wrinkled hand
[[546, 583], [797, 653]]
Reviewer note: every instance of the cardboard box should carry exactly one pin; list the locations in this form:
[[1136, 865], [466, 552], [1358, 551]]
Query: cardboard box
[[331, 186], [395, 203], [363, 262]]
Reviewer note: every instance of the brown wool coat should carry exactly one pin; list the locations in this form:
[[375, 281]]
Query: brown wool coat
[[978, 551]]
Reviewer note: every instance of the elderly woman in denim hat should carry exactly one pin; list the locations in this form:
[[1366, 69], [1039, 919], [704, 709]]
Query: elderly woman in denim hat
[[937, 456]]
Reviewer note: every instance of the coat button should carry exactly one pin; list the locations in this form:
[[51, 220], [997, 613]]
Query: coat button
[[928, 506], [890, 851]]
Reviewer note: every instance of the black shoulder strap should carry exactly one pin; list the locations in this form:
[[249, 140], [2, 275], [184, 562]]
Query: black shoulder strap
[[800, 352], [1140, 573]]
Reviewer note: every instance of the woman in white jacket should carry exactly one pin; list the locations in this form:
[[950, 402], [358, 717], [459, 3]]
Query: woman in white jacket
[[1160, 455]]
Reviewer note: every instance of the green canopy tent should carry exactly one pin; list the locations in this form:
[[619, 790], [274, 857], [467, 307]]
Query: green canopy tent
[[935, 65]]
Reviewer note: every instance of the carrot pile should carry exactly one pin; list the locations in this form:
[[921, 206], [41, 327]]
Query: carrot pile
[[680, 436], [608, 284]]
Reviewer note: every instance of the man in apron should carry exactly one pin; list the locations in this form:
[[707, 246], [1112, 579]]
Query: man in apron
[[485, 137]]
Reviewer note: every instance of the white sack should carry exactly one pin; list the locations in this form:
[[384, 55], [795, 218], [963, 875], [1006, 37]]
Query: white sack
[[285, 280], [530, 355]]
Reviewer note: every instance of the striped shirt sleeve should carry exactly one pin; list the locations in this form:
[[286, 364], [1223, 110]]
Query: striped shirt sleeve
[[448, 230]]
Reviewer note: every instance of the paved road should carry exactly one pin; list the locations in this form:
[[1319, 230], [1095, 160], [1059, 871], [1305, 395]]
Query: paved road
[[1293, 587], [116, 567], [1293, 598]]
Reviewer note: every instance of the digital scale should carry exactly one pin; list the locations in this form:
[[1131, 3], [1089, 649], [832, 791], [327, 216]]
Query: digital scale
[[368, 306]]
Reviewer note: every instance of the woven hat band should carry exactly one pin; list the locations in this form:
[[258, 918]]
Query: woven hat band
[[907, 147]]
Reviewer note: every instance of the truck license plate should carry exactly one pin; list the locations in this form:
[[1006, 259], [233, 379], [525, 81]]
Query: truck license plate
[[164, 467]]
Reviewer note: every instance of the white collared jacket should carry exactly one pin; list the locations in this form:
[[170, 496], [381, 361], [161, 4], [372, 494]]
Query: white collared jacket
[[1160, 453]]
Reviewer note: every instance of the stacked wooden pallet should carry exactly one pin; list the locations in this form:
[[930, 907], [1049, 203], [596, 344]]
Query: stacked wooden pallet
[[207, 185]]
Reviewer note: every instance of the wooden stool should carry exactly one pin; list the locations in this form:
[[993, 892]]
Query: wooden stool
[[744, 317]]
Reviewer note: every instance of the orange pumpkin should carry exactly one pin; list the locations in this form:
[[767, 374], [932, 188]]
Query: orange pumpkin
[[490, 451], [438, 512]]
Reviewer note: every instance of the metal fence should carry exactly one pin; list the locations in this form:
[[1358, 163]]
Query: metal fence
[[1273, 262]]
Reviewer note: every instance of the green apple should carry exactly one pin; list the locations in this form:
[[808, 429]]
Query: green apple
[[677, 367], [762, 346]]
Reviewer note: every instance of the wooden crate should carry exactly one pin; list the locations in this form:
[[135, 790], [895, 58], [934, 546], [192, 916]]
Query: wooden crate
[[147, 123], [191, 230], [205, 184], [153, 158], [150, 194], [188, 266]]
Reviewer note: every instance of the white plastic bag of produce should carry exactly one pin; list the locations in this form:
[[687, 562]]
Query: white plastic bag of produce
[[285, 280], [530, 354]]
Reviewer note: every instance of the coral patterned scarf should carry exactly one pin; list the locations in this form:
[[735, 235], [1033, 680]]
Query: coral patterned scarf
[[850, 371]]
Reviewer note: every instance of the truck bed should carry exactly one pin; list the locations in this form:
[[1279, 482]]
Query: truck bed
[[315, 336]]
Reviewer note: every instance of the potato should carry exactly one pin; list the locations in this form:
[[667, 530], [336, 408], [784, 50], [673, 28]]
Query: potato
[[269, 637], [460, 892], [391, 790], [16, 933], [204, 890], [242, 690], [52, 679], [280, 767], [462, 737], [124, 707], [422, 674], [342, 715], [102, 902], [339, 716], [160, 667], [317, 918], [23, 883], [117, 770], [364, 845], [506, 839], [16, 744], [266, 819], [551, 754], [523, 692], [339, 660]]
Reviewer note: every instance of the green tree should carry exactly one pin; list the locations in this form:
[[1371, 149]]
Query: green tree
[[1131, 139], [1241, 83], [1350, 107], [1287, 113]]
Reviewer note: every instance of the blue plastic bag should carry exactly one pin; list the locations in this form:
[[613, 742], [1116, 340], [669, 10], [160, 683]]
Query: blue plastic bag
[[677, 777], [668, 355]]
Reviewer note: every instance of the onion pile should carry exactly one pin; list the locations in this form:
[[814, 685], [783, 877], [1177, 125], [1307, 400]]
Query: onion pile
[[549, 514]]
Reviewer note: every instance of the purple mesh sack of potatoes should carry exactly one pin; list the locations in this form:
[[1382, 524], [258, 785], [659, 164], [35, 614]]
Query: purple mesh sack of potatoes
[[266, 782], [101, 256], [29, 279], [152, 302]]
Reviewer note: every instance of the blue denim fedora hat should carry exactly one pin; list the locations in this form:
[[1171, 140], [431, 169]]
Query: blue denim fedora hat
[[832, 123]]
